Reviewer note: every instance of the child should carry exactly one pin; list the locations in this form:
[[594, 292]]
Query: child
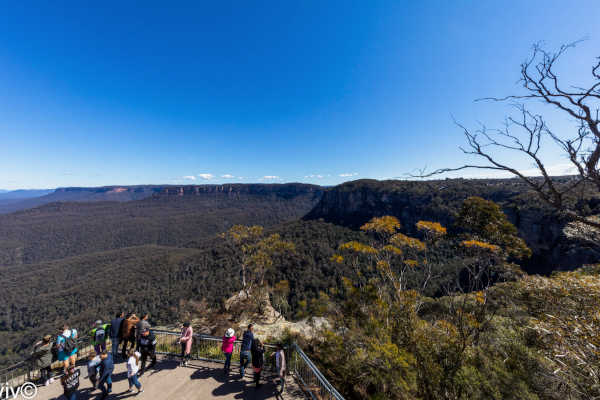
[[227, 347], [70, 383], [92, 368], [132, 370]]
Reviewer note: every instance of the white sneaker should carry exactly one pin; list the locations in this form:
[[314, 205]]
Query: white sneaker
[[51, 380], [47, 382]]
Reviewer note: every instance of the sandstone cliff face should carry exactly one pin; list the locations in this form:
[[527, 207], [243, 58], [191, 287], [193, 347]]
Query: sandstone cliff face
[[555, 245]]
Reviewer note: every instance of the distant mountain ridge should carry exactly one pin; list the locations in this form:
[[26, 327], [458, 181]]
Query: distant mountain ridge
[[125, 193]]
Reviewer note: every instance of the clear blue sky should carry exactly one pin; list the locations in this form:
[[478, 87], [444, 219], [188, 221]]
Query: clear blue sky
[[152, 92]]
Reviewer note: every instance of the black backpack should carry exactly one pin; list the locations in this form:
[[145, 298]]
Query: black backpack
[[69, 344]]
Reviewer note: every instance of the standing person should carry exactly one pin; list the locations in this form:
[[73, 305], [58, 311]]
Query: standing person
[[107, 367], [132, 371], [280, 365], [67, 346], [128, 333], [147, 346], [227, 348], [245, 349], [92, 368], [115, 333], [141, 326], [98, 336], [187, 335], [42, 359], [70, 383], [258, 359]]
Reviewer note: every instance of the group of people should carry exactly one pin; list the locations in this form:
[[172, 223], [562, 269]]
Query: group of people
[[252, 350], [138, 344]]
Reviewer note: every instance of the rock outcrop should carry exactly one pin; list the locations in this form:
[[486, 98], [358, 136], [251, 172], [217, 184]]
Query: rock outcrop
[[555, 244]]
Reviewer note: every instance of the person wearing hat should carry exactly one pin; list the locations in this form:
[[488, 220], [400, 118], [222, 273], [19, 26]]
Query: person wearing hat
[[98, 336], [41, 357], [187, 334], [147, 346], [227, 347]]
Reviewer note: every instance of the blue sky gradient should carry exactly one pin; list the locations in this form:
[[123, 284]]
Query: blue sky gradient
[[310, 91]]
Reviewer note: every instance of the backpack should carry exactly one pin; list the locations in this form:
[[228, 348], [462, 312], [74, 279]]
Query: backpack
[[100, 335], [54, 351], [69, 344]]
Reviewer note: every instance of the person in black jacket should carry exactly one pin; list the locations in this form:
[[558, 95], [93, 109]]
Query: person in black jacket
[[115, 333], [258, 359], [147, 346], [107, 367], [70, 383]]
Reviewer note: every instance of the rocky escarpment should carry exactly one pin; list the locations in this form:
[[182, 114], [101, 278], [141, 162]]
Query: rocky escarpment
[[555, 244], [130, 193]]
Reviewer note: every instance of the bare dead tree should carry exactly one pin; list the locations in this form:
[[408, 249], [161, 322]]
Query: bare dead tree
[[524, 133]]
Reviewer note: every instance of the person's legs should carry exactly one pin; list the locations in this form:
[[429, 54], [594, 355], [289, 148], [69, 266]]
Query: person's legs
[[152, 358], [282, 382], [143, 359], [103, 387], [115, 347], [227, 361], [109, 383], [73, 396], [183, 346], [244, 359], [136, 382], [66, 364]]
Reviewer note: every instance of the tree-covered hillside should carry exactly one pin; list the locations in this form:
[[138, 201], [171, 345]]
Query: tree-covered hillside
[[170, 218]]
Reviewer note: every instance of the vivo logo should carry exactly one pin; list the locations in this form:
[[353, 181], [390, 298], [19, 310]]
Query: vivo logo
[[28, 390]]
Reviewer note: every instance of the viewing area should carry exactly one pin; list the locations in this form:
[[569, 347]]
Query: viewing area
[[202, 378]]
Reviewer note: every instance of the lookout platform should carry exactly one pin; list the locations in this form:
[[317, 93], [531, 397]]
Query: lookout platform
[[199, 380]]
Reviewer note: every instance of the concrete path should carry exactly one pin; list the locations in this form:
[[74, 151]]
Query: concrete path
[[199, 380]]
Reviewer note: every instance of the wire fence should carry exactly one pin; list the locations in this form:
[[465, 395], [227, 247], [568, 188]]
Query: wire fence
[[204, 347]]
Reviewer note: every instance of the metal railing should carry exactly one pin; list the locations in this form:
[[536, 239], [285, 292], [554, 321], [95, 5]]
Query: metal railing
[[25, 371], [206, 348], [312, 380]]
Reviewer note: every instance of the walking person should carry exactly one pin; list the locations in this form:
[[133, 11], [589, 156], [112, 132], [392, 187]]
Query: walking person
[[132, 371], [98, 337], [41, 358], [67, 346], [128, 333], [92, 369], [147, 346], [227, 348], [115, 333], [107, 367], [245, 349], [258, 359], [186, 339], [280, 365], [70, 383], [141, 326]]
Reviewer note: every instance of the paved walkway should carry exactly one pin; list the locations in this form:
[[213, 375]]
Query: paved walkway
[[199, 380]]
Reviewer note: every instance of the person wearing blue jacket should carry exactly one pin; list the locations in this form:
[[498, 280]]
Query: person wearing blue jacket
[[115, 333], [107, 367], [245, 349]]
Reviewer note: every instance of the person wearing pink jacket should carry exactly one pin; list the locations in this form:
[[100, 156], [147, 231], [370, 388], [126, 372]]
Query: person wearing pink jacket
[[227, 347], [186, 339]]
